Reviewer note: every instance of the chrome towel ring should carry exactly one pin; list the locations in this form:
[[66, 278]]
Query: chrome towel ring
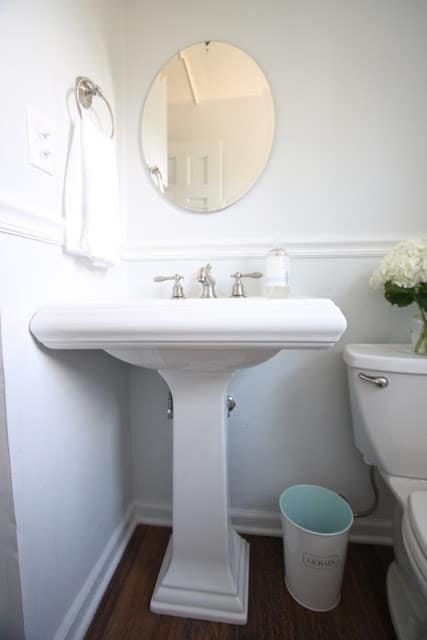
[[85, 90]]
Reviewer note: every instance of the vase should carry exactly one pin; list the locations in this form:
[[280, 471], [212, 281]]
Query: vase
[[419, 336]]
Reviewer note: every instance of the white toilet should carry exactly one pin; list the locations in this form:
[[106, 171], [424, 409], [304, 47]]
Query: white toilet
[[388, 391]]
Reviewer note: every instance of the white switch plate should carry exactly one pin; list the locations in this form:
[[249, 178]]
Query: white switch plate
[[40, 141]]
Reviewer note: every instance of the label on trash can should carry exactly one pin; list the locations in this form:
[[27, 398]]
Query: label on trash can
[[319, 562]]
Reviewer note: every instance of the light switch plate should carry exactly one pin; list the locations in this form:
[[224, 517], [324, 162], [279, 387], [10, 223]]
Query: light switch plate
[[40, 141]]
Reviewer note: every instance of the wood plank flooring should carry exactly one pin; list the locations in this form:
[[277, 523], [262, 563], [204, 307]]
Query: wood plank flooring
[[124, 612]]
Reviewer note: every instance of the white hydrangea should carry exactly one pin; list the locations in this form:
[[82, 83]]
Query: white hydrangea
[[405, 265]]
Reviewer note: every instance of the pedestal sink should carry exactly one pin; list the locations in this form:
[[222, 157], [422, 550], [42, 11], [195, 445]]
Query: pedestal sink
[[196, 345]]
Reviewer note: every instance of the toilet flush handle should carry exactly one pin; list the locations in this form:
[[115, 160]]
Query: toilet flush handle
[[380, 381]]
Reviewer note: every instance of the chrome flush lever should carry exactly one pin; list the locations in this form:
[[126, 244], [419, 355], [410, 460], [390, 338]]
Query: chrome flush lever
[[237, 290], [379, 381], [230, 404], [170, 406], [177, 290]]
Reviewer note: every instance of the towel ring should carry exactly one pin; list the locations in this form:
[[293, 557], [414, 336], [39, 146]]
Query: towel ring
[[85, 90]]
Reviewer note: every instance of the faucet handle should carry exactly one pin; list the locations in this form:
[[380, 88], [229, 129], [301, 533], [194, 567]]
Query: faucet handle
[[237, 290], [177, 289]]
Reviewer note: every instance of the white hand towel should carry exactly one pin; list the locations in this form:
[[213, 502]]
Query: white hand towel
[[91, 196], [73, 193]]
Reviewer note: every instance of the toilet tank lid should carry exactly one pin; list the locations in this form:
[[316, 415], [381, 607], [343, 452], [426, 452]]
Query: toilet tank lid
[[398, 358], [417, 511]]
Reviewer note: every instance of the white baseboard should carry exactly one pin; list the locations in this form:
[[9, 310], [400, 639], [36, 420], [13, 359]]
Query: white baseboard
[[79, 616], [372, 531], [267, 523], [158, 514], [264, 523], [258, 523]]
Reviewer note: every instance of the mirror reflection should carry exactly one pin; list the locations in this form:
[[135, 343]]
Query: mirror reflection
[[208, 126]]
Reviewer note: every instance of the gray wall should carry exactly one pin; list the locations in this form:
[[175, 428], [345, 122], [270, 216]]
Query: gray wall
[[67, 413], [11, 616]]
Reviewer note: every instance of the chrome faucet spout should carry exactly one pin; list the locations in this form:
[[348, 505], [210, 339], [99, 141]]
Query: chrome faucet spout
[[206, 279]]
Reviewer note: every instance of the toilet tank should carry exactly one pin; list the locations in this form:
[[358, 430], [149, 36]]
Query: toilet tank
[[390, 423]]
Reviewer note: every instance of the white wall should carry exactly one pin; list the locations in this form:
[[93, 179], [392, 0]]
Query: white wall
[[344, 177], [67, 413], [45, 45], [349, 88]]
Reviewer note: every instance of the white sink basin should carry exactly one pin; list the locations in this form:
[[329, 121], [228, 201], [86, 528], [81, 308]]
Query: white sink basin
[[213, 334], [196, 345]]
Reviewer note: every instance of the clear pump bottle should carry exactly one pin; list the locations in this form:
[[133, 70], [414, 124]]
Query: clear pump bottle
[[277, 274]]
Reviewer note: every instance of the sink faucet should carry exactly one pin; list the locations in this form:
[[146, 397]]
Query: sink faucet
[[206, 279]]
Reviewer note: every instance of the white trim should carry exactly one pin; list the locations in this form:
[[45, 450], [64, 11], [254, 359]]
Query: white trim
[[256, 522], [372, 531], [267, 523], [27, 223], [79, 616], [158, 514], [323, 248], [23, 221]]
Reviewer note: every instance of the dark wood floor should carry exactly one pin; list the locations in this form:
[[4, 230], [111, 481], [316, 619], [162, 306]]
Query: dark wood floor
[[273, 615]]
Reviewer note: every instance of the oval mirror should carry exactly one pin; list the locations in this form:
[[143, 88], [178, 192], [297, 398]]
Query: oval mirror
[[207, 126]]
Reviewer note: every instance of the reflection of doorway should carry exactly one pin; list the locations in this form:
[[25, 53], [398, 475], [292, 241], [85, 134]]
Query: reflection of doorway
[[195, 174]]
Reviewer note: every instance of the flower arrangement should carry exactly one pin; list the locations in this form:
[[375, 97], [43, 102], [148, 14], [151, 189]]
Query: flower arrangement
[[403, 274]]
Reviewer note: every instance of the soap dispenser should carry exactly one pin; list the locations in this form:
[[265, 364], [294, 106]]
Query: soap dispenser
[[277, 274]]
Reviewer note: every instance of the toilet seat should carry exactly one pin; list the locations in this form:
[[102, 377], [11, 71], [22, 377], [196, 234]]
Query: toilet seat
[[414, 531], [417, 512]]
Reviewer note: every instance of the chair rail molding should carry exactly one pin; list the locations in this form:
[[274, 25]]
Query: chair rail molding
[[26, 222], [314, 248]]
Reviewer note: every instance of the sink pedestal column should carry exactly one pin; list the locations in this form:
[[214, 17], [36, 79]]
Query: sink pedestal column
[[205, 569]]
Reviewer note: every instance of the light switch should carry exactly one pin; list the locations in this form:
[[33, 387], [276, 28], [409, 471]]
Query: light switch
[[40, 141]]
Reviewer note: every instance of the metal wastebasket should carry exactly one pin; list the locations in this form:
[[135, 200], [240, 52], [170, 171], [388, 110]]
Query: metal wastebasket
[[315, 525]]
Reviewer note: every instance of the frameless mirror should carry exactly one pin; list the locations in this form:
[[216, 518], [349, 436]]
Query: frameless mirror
[[207, 126]]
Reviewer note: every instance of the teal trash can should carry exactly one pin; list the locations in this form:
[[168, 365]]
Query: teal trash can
[[315, 525]]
